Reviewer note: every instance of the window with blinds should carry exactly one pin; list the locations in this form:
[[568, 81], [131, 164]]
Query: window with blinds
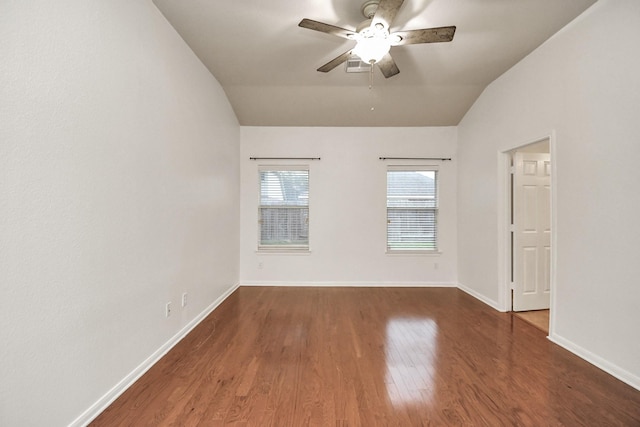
[[284, 209], [412, 209]]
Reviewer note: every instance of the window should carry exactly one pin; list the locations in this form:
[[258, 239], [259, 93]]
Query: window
[[284, 208], [412, 209]]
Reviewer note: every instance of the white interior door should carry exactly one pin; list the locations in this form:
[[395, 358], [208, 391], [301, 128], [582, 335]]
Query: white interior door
[[532, 231]]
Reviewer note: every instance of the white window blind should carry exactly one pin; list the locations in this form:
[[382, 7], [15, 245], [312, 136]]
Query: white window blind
[[284, 208], [412, 209]]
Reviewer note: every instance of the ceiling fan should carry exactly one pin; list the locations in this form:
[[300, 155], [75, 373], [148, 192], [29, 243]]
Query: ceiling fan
[[373, 37]]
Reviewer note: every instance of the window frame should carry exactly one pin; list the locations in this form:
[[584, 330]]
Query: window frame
[[281, 248], [435, 209]]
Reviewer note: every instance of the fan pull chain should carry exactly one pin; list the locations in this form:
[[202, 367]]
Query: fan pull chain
[[371, 81]]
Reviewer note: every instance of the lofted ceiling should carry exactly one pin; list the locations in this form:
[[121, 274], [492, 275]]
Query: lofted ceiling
[[267, 64]]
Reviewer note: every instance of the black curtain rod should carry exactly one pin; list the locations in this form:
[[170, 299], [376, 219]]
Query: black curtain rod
[[284, 158], [416, 158]]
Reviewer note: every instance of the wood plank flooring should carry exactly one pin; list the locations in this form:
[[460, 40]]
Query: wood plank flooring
[[369, 357], [538, 318]]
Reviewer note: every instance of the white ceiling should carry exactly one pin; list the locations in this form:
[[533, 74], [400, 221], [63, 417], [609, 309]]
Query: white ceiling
[[267, 64]]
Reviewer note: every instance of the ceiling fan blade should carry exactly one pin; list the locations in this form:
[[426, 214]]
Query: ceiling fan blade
[[387, 10], [426, 35], [326, 28], [335, 62], [388, 66]]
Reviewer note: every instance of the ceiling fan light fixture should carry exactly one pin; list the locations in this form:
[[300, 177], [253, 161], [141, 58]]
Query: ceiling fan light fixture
[[373, 44]]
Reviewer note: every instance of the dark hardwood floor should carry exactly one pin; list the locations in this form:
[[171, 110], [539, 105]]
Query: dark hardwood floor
[[370, 357]]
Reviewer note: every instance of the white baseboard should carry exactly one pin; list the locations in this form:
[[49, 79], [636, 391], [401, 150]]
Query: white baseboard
[[106, 400], [610, 368], [347, 284], [491, 303]]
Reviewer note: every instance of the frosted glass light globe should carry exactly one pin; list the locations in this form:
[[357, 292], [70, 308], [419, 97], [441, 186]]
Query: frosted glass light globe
[[373, 44]]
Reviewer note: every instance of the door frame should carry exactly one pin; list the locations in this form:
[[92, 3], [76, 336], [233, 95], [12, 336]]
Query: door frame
[[504, 224]]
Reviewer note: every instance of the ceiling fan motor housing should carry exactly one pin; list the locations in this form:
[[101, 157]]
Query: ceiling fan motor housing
[[369, 8]]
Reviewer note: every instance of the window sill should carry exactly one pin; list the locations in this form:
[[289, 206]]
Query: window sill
[[283, 251], [413, 253]]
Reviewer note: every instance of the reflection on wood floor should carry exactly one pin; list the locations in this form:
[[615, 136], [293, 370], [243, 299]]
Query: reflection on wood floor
[[369, 357]]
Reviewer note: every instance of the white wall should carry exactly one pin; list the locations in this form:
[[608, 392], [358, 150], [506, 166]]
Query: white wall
[[347, 226], [119, 190], [584, 84]]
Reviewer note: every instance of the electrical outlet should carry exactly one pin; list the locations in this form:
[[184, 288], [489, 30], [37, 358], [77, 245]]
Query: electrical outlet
[[167, 311], [260, 265], [435, 266], [184, 299]]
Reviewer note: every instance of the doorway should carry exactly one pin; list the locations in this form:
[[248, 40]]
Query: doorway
[[528, 247]]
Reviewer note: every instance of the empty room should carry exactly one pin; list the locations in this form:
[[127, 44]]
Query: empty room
[[326, 213]]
